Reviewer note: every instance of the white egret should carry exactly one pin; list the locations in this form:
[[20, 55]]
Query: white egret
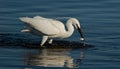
[[50, 28]]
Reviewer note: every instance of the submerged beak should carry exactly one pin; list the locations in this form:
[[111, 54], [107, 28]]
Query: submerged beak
[[81, 34]]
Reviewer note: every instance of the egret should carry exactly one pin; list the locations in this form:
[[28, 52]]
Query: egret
[[50, 28]]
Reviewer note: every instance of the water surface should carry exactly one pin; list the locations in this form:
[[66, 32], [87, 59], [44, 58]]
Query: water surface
[[100, 23]]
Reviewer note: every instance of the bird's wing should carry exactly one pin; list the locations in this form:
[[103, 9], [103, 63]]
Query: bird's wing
[[58, 24], [39, 17], [42, 25]]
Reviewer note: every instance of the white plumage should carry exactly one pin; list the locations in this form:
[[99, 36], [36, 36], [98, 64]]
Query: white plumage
[[50, 28]]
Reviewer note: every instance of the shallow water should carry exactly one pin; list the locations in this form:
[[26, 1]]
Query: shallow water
[[100, 23]]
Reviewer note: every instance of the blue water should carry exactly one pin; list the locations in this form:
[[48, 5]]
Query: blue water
[[100, 21]]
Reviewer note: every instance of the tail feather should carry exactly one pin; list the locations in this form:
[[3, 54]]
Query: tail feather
[[25, 19], [25, 30]]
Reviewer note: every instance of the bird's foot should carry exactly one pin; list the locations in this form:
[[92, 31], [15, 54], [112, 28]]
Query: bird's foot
[[41, 45]]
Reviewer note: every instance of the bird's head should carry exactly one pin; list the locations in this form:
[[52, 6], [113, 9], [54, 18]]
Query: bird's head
[[76, 24]]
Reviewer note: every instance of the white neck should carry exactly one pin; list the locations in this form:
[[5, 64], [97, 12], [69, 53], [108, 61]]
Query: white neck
[[70, 28]]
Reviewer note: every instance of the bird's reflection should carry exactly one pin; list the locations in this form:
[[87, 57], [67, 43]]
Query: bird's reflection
[[55, 58]]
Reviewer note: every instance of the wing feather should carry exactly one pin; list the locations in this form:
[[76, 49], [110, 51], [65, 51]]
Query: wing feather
[[42, 25], [58, 24]]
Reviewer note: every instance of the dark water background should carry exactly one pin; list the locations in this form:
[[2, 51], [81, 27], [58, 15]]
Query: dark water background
[[100, 20]]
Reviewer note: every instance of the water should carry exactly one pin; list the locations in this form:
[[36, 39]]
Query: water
[[100, 23]]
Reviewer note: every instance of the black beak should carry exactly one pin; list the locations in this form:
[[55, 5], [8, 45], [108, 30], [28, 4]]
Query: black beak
[[81, 34], [80, 31]]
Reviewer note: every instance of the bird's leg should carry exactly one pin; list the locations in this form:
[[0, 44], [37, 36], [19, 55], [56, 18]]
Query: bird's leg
[[50, 41], [44, 39]]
